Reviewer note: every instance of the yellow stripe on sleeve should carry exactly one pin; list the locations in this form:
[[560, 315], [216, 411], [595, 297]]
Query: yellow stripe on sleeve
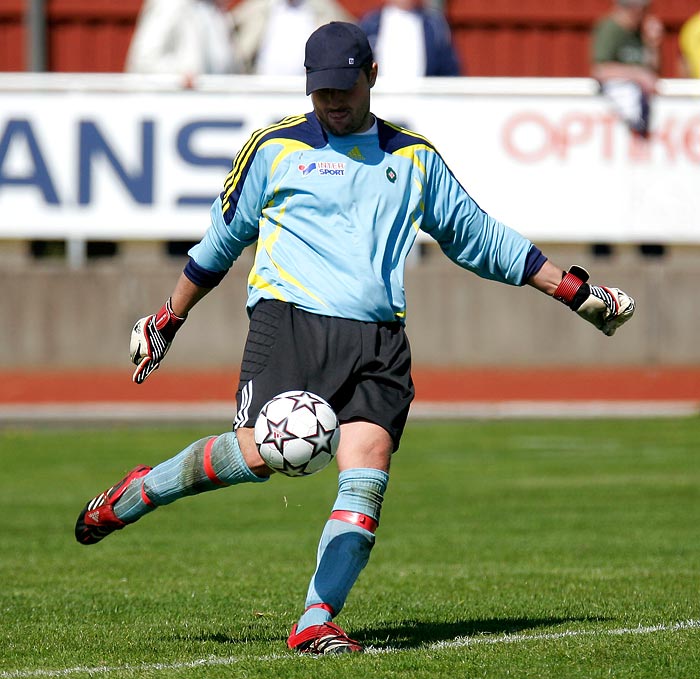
[[245, 154]]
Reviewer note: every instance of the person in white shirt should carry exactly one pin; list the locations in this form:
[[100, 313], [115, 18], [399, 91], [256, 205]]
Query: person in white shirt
[[271, 34], [410, 39], [184, 37]]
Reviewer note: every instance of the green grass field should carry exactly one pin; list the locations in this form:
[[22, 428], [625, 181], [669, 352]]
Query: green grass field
[[507, 549]]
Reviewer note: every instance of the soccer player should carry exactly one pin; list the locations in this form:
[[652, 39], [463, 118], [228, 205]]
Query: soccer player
[[333, 200]]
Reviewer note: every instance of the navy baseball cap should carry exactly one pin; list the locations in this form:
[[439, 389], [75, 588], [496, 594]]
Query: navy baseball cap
[[335, 53]]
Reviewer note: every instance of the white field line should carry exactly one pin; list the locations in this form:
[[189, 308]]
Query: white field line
[[458, 642]]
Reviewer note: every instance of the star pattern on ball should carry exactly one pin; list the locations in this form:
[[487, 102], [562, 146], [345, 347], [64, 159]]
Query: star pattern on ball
[[321, 440], [304, 400], [277, 434], [294, 470]]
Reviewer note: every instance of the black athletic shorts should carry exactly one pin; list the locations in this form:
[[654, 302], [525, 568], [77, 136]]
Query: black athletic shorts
[[362, 369]]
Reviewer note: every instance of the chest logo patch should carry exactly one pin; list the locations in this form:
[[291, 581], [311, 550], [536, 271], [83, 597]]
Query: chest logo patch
[[391, 174], [307, 169], [323, 168]]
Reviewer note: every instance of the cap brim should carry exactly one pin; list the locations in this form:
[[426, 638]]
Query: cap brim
[[332, 78]]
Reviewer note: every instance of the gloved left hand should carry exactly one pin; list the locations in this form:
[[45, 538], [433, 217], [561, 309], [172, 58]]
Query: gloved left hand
[[606, 308], [151, 339]]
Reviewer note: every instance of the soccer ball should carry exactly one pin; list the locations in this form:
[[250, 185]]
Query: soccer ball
[[297, 433]]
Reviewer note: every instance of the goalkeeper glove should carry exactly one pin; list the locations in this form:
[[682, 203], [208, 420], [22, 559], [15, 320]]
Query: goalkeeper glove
[[606, 308], [151, 339]]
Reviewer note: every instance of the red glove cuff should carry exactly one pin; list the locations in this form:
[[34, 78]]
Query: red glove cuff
[[567, 289], [167, 318]]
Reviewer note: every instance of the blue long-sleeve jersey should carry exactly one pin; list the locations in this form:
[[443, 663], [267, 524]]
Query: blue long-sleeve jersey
[[334, 219]]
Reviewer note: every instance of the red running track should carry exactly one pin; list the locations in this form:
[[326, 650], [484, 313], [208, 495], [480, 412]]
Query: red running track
[[432, 385]]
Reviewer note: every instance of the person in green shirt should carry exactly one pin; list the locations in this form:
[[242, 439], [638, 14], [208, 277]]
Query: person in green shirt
[[625, 55]]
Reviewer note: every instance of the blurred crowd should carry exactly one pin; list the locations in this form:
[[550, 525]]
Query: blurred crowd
[[267, 37], [409, 38]]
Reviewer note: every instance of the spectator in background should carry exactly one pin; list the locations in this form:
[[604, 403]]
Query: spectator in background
[[626, 60], [411, 39], [186, 37], [270, 35], [689, 44]]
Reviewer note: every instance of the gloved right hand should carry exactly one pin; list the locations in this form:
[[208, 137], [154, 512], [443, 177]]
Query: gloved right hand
[[150, 340]]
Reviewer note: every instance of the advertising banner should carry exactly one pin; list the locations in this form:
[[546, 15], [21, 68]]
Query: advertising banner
[[104, 159]]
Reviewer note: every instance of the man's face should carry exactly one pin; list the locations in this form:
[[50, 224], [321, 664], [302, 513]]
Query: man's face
[[344, 112]]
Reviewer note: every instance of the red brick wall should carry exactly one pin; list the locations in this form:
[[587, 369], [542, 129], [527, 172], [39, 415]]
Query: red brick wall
[[544, 38]]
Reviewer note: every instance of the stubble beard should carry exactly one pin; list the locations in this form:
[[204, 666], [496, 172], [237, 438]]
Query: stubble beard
[[355, 123]]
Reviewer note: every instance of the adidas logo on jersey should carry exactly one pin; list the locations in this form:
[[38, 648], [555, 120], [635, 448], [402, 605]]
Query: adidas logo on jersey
[[355, 154]]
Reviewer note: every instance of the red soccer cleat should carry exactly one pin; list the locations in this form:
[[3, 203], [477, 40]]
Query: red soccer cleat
[[322, 640], [97, 520]]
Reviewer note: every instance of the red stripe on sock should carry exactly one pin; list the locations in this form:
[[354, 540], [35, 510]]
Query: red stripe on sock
[[147, 500], [325, 607], [206, 461], [357, 519]]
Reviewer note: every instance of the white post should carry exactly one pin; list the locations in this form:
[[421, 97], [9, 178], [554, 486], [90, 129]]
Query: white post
[[76, 253]]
